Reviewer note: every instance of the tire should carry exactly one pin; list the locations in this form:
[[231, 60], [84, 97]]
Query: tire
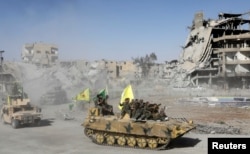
[[37, 122], [2, 119], [15, 123]]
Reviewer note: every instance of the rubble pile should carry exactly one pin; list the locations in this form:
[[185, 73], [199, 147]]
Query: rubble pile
[[217, 129]]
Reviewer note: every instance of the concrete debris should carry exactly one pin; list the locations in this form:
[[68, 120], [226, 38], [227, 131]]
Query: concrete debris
[[67, 117], [64, 115], [216, 129]]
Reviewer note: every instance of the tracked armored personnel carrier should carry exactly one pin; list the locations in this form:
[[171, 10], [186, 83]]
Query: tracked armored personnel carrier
[[19, 112], [125, 132]]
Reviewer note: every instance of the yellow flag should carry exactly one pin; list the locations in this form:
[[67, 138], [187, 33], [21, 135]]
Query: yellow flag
[[83, 96], [127, 93]]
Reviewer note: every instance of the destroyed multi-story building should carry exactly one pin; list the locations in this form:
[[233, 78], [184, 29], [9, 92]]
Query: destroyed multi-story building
[[217, 52], [118, 69], [42, 54], [167, 70]]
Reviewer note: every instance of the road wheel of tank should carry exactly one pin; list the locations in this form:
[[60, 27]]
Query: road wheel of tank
[[121, 140], [141, 142], [15, 123], [163, 140], [99, 138], [88, 132], [131, 141], [110, 139], [152, 143]]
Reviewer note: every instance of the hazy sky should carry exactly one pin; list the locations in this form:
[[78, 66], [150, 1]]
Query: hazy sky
[[105, 29]]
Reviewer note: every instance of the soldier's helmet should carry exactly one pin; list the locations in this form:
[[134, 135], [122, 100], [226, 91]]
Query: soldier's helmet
[[98, 96], [127, 99]]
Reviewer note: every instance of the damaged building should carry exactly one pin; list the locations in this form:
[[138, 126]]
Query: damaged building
[[217, 52], [119, 69], [41, 54]]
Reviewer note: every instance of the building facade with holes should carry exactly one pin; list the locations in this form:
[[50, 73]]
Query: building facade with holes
[[42, 54]]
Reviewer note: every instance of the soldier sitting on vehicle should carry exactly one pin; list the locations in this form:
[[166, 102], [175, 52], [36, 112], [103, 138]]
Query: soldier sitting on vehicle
[[134, 105], [103, 106], [107, 109], [99, 103], [125, 108], [154, 107], [139, 109], [161, 115], [146, 113]]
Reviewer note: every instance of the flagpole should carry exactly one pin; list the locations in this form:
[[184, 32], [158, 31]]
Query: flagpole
[[89, 98]]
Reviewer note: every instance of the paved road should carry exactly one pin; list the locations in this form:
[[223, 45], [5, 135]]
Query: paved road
[[57, 136]]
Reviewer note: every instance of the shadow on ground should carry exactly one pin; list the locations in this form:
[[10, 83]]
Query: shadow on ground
[[43, 123], [184, 142], [46, 122]]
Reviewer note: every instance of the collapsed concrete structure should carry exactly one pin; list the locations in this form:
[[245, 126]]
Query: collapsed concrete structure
[[218, 51]]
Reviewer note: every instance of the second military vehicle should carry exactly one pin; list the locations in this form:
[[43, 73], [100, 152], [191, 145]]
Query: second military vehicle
[[18, 111], [15, 104]]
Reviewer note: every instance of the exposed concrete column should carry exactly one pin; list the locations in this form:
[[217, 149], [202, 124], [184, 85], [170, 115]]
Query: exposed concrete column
[[210, 79], [243, 83], [225, 84], [224, 70], [223, 64], [197, 80]]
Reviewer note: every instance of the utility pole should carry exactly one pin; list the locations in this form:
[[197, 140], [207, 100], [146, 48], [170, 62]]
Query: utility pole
[[1, 56], [1, 71]]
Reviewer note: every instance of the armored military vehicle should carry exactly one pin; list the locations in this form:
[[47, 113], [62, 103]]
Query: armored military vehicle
[[18, 111], [125, 132], [15, 104]]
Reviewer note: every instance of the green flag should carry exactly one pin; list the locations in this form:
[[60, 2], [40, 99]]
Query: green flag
[[102, 93]]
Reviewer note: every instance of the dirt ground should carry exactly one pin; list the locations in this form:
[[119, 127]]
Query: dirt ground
[[57, 135]]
